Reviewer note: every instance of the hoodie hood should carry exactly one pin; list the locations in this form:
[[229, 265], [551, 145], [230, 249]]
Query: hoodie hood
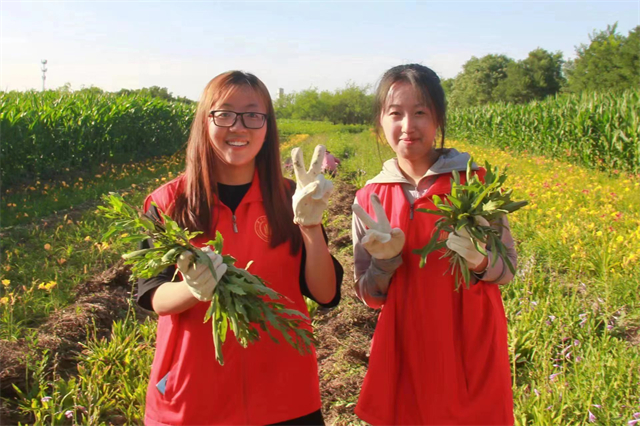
[[449, 160]]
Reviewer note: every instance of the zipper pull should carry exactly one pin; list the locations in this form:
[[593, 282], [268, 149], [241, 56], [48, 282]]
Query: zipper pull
[[235, 226], [411, 212]]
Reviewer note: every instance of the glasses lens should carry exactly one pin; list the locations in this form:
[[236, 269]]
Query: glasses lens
[[253, 120], [224, 118]]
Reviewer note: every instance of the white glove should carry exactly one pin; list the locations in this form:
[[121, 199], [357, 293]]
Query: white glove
[[380, 240], [200, 281], [461, 242], [312, 189]]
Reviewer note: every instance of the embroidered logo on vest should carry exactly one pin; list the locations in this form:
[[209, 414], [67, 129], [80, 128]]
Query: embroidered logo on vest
[[262, 228]]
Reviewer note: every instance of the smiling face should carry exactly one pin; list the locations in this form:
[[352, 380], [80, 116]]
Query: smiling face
[[409, 125], [236, 147]]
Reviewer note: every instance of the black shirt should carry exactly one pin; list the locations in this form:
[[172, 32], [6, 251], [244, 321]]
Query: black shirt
[[231, 196]]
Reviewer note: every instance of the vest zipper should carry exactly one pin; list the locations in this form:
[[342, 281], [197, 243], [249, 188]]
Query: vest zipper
[[235, 226], [411, 211]]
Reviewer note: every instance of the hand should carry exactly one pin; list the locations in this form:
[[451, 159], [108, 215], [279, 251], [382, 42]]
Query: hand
[[380, 240], [460, 241], [312, 189], [197, 275]]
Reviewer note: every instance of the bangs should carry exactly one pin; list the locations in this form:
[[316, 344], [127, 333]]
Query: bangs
[[236, 81], [419, 88]]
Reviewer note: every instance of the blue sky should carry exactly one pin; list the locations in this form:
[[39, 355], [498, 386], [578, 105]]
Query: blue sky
[[289, 45]]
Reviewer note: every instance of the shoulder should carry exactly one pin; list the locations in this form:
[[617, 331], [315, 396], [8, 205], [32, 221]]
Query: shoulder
[[363, 194], [165, 195]]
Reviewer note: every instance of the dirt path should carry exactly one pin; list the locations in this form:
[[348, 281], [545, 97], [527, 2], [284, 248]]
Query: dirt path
[[344, 333]]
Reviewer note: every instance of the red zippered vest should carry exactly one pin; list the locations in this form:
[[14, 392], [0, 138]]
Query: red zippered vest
[[438, 356], [262, 384]]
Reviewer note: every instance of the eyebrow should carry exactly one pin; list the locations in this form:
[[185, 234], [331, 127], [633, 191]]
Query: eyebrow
[[398, 106], [246, 106]]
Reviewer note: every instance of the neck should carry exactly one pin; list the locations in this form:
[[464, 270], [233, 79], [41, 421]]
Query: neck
[[235, 175], [414, 170]]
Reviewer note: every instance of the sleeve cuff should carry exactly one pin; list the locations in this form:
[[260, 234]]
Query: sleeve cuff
[[387, 265], [491, 273]]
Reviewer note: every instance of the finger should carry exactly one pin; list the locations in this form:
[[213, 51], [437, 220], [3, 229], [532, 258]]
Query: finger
[[463, 233], [381, 215], [373, 235], [364, 216], [397, 233], [196, 273], [316, 161], [220, 271], [216, 259], [457, 243], [324, 187], [298, 166], [184, 261], [310, 189], [481, 221]]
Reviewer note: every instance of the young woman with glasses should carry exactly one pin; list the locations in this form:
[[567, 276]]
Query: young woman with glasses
[[233, 184]]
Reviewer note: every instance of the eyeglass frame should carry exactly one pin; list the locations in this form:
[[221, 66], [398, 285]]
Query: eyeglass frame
[[241, 115]]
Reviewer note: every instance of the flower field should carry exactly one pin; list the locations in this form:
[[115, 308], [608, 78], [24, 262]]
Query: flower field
[[573, 309]]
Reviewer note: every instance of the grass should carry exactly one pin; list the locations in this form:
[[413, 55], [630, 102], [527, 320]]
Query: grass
[[110, 385], [41, 199]]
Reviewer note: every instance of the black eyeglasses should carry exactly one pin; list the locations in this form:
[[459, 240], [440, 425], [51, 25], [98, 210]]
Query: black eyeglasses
[[251, 120]]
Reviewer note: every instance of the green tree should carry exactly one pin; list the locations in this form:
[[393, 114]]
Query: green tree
[[309, 105], [536, 77], [284, 105], [479, 77], [447, 85], [156, 92], [609, 62], [351, 105]]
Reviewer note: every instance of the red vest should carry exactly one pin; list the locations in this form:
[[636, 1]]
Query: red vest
[[264, 383], [438, 356]]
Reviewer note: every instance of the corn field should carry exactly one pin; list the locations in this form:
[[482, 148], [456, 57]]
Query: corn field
[[597, 129], [44, 134]]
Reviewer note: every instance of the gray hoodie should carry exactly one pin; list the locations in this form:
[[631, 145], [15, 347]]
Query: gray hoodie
[[374, 275]]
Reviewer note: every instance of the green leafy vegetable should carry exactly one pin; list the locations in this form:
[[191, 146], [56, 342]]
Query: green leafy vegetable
[[461, 209], [241, 301]]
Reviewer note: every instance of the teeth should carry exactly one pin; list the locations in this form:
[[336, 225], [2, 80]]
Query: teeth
[[237, 143]]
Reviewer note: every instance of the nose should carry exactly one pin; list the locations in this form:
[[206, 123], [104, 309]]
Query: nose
[[407, 123], [238, 125]]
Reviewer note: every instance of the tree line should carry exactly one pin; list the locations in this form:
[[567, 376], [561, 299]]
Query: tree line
[[153, 91], [609, 62]]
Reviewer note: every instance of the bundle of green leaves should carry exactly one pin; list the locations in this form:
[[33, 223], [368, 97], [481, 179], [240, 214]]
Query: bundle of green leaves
[[461, 209], [241, 301]]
